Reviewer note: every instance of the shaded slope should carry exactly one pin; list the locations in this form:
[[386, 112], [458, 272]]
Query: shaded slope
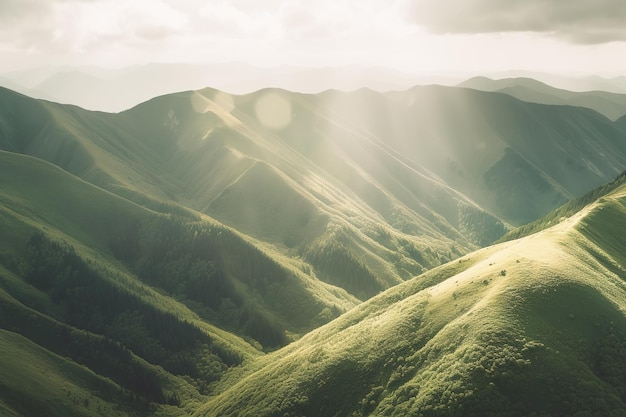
[[137, 297], [566, 210], [621, 123], [529, 327]]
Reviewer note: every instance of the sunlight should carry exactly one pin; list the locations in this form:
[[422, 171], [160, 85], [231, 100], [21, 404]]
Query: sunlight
[[221, 103], [273, 110]]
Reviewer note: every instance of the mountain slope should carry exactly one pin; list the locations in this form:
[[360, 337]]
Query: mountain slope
[[158, 305], [187, 148], [386, 185], [517, 160], [528, 327]]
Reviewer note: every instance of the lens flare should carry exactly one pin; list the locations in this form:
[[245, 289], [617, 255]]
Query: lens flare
[[273, 110]]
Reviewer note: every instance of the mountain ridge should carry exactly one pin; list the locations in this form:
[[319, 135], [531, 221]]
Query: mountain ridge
[[610, 104], [510, 320]]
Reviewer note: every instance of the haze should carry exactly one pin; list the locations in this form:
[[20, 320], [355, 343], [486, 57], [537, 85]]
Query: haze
[[424, 36]]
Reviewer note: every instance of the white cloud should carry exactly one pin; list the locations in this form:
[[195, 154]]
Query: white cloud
[[578, 21], [427, 34]]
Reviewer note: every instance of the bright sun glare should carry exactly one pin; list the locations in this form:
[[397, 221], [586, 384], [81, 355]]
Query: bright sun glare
[[273, 110]]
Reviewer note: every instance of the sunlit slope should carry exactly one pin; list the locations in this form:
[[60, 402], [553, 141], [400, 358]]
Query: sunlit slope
[[611, 105], [161, 305], [534, 326], [199, 150], [517, 160], [296, 190]]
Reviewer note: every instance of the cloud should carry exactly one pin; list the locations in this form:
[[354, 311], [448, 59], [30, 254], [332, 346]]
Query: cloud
[[75, 25], [577, 21]]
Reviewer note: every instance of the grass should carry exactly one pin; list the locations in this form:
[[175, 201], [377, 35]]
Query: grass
[[466, 339], [35, 381]]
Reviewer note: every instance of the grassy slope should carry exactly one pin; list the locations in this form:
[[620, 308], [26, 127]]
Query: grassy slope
[[99, 227], [517, 160], [529, 326], [35, 381], [97, 222]]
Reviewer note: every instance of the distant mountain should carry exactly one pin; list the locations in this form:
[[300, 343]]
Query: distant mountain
[[578, 83], [594, 83], [612, 105], [116, 90], [530, 327], [515, 159]]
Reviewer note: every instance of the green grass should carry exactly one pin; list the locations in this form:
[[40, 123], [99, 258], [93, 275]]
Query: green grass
[[528, 327], [82, 243], [34, 381]]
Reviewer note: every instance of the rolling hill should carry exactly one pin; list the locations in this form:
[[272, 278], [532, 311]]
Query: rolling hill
[[137, 297], [529, 327]]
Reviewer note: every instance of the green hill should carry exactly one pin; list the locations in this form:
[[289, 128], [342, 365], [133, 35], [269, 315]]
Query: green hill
[[529, 327], [159, 305]]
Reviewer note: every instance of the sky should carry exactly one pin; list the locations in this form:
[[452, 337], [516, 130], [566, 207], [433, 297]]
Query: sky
[[417, 36]]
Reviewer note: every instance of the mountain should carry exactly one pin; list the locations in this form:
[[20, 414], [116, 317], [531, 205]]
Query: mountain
[[515, 159], [385, 185], [116, 90], [611, 105], [529, 327], [124, 305], [572, 82], [148, 258]]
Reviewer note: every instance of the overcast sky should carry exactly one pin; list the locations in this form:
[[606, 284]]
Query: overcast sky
[[573, 36]]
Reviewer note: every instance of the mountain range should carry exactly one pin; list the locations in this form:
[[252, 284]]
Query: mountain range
[[118, 89], [610, 104], [150, 259]]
